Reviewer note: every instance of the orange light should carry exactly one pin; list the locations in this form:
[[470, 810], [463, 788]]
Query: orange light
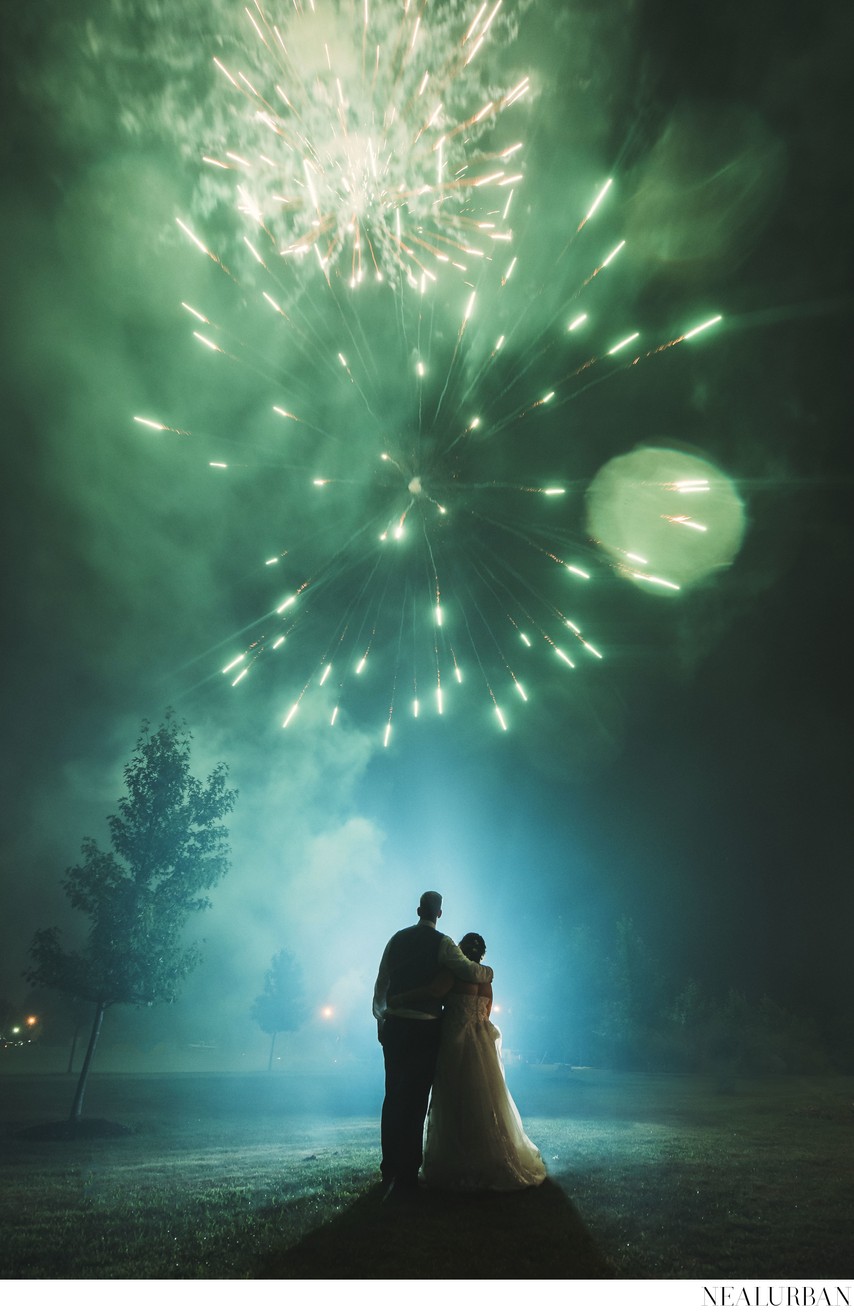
[[32, 1020]]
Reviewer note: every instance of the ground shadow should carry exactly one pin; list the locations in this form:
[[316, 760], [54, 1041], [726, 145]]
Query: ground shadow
[[534, 1234]]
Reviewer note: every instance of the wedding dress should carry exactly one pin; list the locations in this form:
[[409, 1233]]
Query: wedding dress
[[475, 1138]]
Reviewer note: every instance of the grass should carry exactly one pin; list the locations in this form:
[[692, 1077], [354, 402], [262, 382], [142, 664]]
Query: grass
[[275, 1177]]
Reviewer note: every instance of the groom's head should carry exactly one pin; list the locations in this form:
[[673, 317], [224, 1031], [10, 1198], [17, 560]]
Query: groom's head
[[430, 906]]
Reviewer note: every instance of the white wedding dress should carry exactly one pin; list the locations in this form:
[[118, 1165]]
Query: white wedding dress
[[475, 1138]]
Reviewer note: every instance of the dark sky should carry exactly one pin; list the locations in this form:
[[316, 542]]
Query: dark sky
[[697, 779]]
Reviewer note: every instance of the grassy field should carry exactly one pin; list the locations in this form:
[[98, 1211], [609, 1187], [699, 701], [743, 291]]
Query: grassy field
[[244, 1176]]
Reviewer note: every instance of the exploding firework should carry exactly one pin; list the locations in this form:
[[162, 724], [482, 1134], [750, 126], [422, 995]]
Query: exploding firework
[[366, 137], [427, 556]]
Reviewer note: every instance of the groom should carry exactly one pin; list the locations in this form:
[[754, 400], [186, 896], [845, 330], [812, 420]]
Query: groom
[[410, 1036]]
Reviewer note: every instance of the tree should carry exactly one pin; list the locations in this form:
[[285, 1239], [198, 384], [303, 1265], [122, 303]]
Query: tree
[[168, 845], [281, 1007], [634, 1000]]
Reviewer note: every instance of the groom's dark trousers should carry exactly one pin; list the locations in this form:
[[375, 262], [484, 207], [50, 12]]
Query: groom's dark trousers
[[410, 1049]]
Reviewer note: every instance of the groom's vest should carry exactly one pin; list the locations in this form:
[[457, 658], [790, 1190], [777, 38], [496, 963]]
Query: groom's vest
[[413, 960]]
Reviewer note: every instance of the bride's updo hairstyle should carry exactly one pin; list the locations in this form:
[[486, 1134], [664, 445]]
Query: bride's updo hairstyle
[[473, 946]]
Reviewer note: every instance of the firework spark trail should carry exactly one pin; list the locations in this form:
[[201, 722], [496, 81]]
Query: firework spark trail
[[369, 165]]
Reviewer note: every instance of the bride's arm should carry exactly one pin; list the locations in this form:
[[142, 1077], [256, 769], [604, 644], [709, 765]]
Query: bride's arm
[[485, 991]]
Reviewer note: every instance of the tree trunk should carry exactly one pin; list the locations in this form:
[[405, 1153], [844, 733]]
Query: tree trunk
[[73, 1048], [77, 1106], [272, 1046]]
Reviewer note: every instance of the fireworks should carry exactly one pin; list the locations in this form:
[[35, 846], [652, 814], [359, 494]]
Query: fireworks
[[365, 138], [430, 552]]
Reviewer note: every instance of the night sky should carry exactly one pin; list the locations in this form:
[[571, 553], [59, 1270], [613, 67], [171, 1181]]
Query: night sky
[[696, 779]]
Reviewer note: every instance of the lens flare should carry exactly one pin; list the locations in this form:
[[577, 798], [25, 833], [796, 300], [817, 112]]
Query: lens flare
[[636, 508]]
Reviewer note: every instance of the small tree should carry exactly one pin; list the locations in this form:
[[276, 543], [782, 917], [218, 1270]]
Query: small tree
[[168, 845], [281, 1007]]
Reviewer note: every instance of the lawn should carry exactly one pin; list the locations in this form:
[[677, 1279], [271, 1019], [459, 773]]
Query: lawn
[[273, 1176]]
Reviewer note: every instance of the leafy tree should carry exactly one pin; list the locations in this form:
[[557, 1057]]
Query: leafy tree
[[281, 1007], [168, 845]]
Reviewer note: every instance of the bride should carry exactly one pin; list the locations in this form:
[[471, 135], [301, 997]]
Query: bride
[[475, 1139]]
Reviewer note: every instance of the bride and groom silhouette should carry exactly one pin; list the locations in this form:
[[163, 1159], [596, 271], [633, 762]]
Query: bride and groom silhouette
[[432, 1004]]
